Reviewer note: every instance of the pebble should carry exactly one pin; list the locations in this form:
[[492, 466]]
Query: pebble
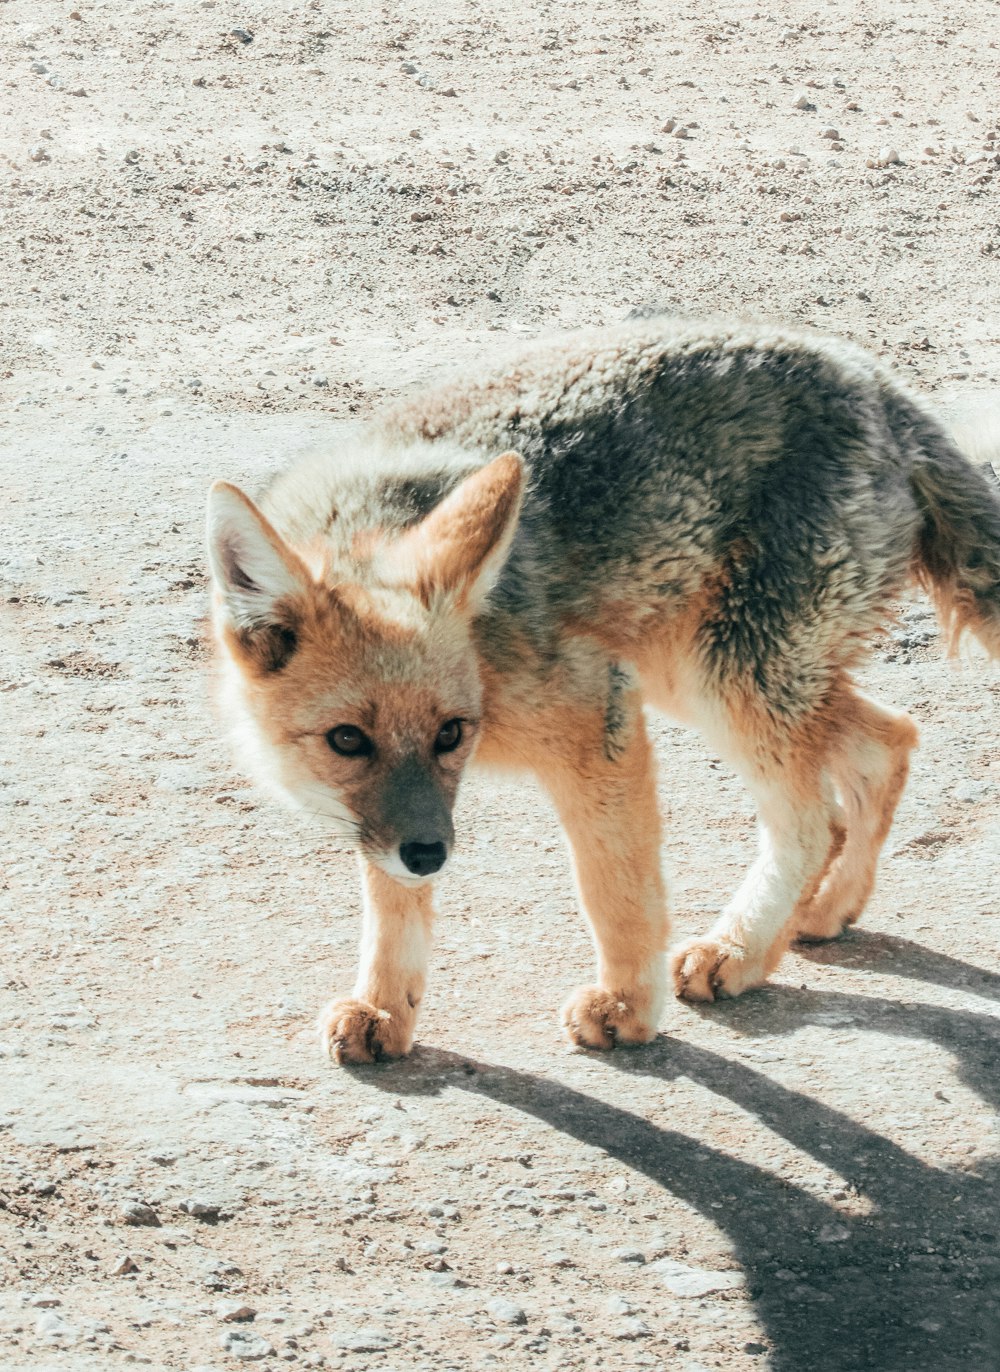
[[248, 1347], [970, 792], [43, 1300], [631, 1327], [617, 1305], [244, 35], [408, 68], [886, 157], [138, 1212], [235, 1312], [53, 1326], [126, 1265], [833, 1233], [39, 68], [629, 1255], [559, 1259], [505, 1311], [201, 1209], [366, 1340], [830, 133], [683, 1280], [802, 102]]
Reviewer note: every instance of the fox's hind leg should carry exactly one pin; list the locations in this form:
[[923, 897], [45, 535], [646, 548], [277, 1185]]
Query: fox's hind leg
[[379, 1020], [800, 831], [870, 762], [603, 786]]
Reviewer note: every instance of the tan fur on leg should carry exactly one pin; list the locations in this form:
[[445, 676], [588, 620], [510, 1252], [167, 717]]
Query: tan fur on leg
[[870, 766], [799, 823], [608, 809], [379, 1020]]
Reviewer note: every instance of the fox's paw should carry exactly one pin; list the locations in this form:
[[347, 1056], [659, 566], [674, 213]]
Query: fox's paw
[[824, 918], [707, 969], [352, 1031], [595, 1018]]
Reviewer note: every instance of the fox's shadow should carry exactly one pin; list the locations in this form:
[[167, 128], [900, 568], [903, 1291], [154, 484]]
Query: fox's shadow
[[915, 1284]]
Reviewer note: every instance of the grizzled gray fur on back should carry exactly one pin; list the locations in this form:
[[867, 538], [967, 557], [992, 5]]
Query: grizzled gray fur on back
[[790, 473]]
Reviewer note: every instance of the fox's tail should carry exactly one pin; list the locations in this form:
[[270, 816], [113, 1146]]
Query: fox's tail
[[958, 553]]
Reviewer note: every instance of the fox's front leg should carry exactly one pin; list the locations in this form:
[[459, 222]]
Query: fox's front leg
[[379, 1020], [603, 786]]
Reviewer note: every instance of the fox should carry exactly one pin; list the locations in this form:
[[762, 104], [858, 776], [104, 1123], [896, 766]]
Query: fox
[[708, 518]]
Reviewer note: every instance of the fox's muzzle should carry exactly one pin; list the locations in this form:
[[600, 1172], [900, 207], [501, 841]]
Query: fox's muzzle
[[416, 817]]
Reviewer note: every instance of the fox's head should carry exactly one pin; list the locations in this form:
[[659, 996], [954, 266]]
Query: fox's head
[[355, 682]]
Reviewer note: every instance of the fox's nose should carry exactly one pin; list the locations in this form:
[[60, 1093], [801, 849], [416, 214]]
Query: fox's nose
[[423, 858]]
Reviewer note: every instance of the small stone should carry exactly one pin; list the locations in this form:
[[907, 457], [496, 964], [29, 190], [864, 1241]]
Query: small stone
[[415, 133], [830, 133], [632, 1327], [200, 1209], [408, 68], [125, 1266], [617, 1305], [505, 1311], [138, 1212], [683, 1280], [132, 155], [833, 1233], [235, 1312], [629, 1255], [559, 1259], [244, 35], [505, 1269], [970, 792], [669, 126], [789, 216], [53, 1326], [321, 381], [43, 1300], [501, 156], [450, 91], [366, 1340], [681, 132], [39, 68], [802, 102], [246, 1346], [79, 91], [886, 157]]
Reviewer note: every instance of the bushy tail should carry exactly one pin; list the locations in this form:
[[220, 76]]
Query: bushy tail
[[958, 555]]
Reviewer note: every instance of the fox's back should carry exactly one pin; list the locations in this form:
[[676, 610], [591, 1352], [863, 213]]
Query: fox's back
[[658, 448]]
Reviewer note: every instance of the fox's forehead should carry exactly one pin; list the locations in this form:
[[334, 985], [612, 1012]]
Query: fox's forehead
[[371, 659]]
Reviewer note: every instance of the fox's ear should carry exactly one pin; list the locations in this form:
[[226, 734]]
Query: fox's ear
[[460, 548], [257, 576]]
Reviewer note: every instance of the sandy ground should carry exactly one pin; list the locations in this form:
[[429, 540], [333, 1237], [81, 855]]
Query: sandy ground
[[217, 248]]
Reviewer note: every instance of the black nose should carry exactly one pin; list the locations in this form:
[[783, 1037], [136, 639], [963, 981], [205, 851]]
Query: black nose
[[423, 858]]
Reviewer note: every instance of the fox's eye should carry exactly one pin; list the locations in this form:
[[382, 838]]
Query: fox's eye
[[349, 741], [449, 736]]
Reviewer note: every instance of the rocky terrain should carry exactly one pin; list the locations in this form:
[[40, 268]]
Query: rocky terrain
[[227, 229]]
